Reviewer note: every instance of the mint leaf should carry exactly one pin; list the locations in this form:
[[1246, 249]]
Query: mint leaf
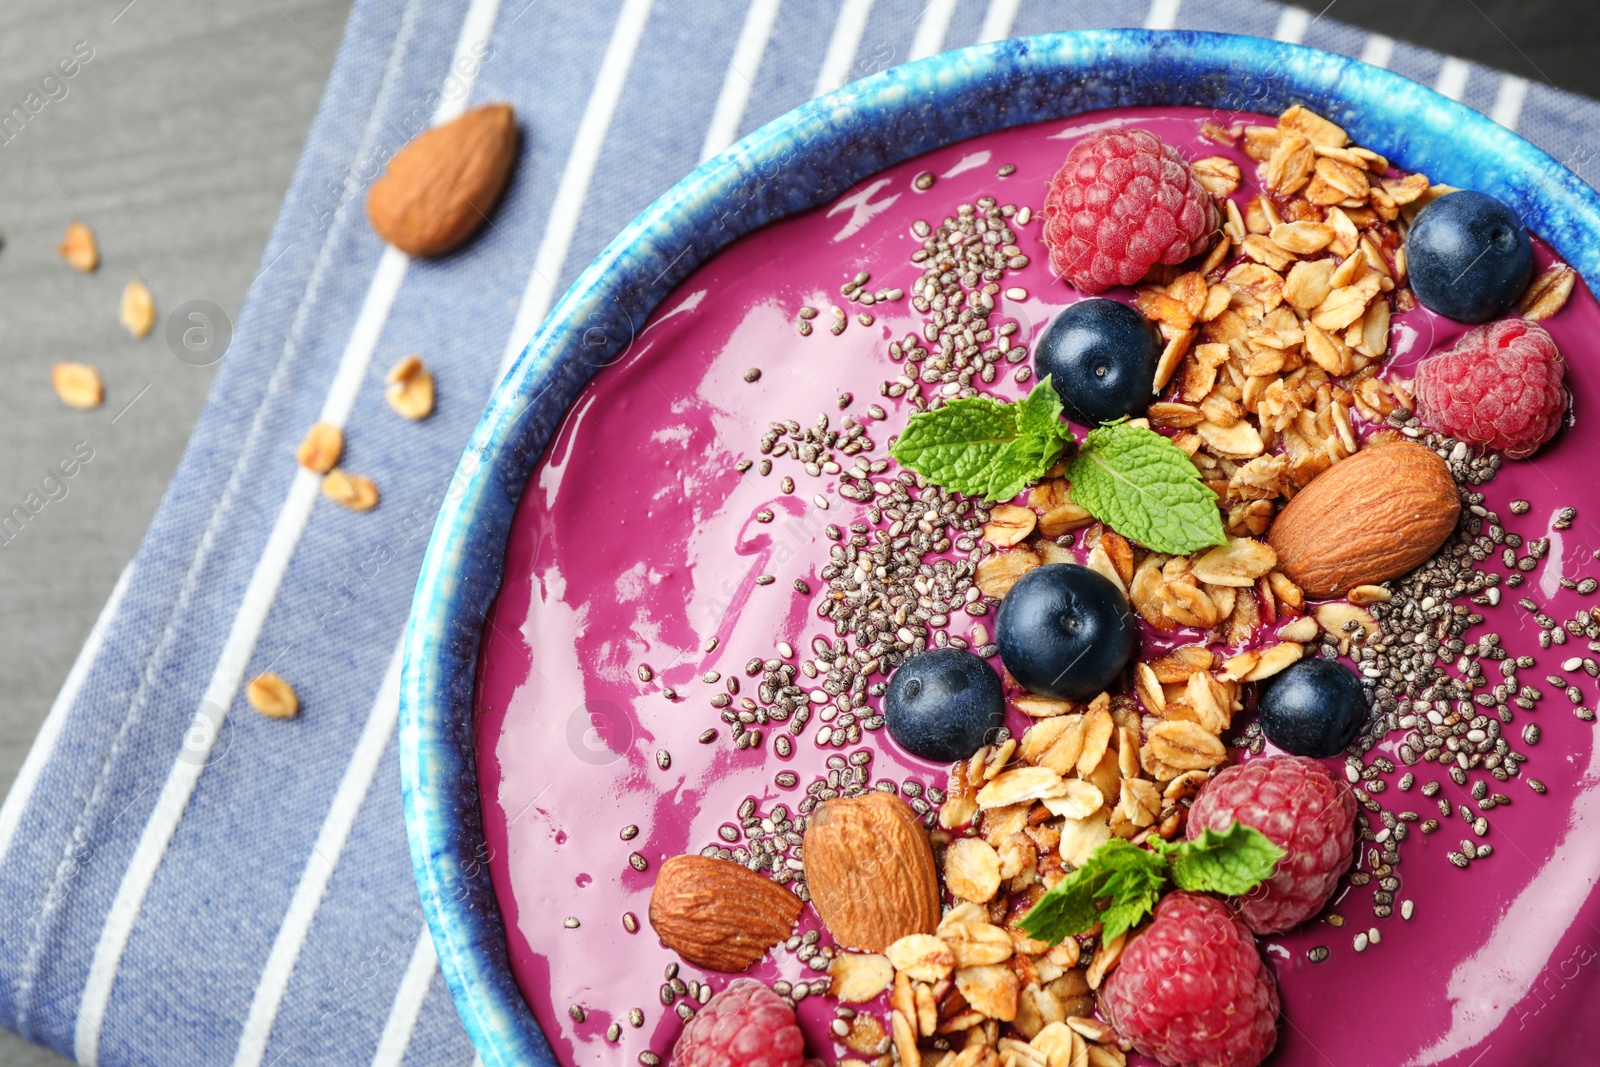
[[1144, 487], [1232, 862], [1039, 413], [1124, 876], [978, 446]]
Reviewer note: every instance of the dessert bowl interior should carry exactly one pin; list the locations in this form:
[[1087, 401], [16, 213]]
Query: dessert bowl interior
[[801, 161]]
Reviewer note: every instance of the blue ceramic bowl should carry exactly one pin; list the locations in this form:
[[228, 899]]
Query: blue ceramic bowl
[[802, 160]]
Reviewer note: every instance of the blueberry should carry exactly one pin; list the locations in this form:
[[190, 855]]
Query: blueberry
[[1314, 708], [1469, 256], [944, 704], [1101, 357], [1065, 631]]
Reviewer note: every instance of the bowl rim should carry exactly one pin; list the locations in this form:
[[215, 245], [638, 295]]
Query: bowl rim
[[801, 160]]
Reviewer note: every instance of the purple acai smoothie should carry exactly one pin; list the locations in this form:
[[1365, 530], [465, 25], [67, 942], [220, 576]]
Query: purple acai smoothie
[[643, 561]]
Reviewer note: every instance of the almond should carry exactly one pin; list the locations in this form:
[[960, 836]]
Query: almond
[[719, 915], [1366, 519], [869, 866], [440, 188]]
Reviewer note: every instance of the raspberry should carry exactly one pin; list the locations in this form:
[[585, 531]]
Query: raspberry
[[1192, 991], [745, 1025], [1121, 203], [1300, 808], [1500, 386]]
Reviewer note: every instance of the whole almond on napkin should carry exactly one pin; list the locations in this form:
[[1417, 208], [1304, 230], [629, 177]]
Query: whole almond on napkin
[[439, 189]]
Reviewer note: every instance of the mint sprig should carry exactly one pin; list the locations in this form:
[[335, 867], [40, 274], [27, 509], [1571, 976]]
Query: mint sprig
[[982, 447], [1120, 882], [1146, 488]]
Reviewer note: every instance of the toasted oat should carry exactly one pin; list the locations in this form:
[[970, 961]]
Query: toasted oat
[[78, 385], [1082, 800], [1139, 802], [1021, 784], [1290, 165], [1285, 590], [1318, 130], [1080, 837], [1051, 501], [1061, 1046], [972, 870], [1008, 524], [1219, 175], [1363, 595], [1238, 563], [321, 447], [905, 1040], [1038, 707], [1239, 441], [409, 388], [138, 309], [857, 977], [991, 989], [921, 957], [354, 491], [996, 574], [272, 697], [1184, 746], [975, 944], [1054, 743], [79, 247], [1149, 688], [1302, 238], [1100, 562], [1171, 356], [1301, 630], [1549, 292], [1275, 658], [1105, 958], [1098, 728]]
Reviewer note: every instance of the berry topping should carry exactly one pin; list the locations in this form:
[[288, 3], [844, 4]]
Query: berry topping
[[1192, 991], [1312, 708], [1301, 808], [944, 704], [1500, 387], [1121, 203], [1468, 256], [1101, 357], [1065, 631], [745, 1025]]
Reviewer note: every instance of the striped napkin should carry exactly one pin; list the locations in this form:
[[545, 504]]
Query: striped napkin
[[183, 880]]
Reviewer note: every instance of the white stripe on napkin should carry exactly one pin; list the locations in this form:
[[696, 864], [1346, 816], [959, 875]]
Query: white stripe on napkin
[[1508, 100], [848, 30], [1163, 15], [228, 674], [336, 825], [741, 77], [1378, 50], [1292, 25], [932, 26], [44, 745], [997, 20], [1452, 79], [573, 190], [407, 1006]]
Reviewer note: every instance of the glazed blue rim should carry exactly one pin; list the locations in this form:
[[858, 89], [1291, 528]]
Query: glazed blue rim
[[802, 160]]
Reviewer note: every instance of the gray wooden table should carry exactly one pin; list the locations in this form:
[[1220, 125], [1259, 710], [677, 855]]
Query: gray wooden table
[[175, 141]]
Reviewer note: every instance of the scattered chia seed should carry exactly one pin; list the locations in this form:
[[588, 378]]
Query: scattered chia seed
[[571, 923], [630, 922], [577, 1013], [645, 673], [753, 374], [649, 1059], [707, 737], [638, 862], [629, 832], [614, 1033], [1317, 954], [664, 759], [635, 1017], [924, 181], [1006, 171]]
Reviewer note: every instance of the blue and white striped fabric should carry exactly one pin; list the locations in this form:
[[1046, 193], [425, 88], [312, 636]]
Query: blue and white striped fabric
[[184, 881]]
